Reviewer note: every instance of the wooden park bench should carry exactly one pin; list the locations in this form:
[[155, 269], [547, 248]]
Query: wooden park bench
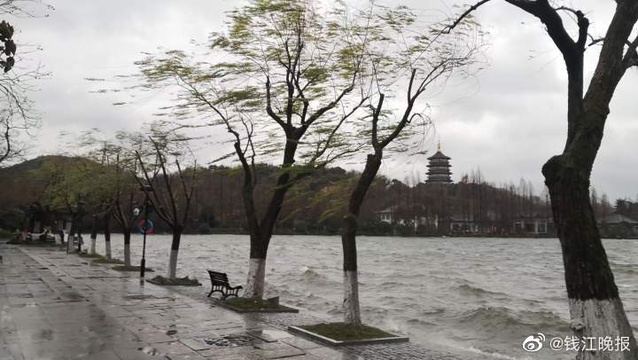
[[220, 283]]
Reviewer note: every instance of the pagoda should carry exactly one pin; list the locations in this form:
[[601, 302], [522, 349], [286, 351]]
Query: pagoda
[[439, 168]]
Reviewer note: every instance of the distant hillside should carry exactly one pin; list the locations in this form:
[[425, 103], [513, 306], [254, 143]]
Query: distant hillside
[[23, 183], [34, 164]]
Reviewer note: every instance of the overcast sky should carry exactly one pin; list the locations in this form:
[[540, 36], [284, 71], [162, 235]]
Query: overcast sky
[[507, 121]]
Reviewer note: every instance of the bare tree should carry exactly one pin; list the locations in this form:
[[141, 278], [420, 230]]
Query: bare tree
[[595, 306], [171, 196], [432, 60], [15, 107]]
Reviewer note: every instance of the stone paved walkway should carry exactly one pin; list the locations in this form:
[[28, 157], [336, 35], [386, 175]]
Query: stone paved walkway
[[58, 306]]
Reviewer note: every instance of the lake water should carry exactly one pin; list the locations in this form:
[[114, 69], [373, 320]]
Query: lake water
[[462, 295]]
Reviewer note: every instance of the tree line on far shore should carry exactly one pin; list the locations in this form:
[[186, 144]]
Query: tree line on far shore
[[313, 207]]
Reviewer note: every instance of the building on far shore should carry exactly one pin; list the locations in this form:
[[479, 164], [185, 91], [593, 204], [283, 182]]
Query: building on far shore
[[533, 225], [386, 215], [618, 226], [472, 207], [439, 168]]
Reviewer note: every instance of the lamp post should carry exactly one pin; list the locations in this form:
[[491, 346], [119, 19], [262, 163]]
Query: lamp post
[[146, 189]]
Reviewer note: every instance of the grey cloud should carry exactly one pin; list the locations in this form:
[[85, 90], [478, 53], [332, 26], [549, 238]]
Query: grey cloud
[[507, 121]]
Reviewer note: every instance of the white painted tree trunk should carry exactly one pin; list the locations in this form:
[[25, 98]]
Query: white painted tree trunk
[[127, 254], [351, 298], [93, 243], [256, 278], [172, 264], [602, 319], [108, 249]]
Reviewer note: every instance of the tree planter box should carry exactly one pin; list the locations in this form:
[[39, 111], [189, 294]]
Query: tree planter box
[[278, 309], [162, 281], [328, 341]]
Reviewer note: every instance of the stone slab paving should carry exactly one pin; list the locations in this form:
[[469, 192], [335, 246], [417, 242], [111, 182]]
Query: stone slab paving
[[56, 305], [42, 317]]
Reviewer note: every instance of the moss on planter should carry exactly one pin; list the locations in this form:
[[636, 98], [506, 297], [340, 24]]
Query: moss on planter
[[130, 268], [252, 304], [347, 332], [87, 255], [246, 305], [185, 281], [103, 260]]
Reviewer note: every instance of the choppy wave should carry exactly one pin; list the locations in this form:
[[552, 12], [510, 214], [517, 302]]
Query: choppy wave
[[313, 276], [626, 269], [421, 322], [489, 316], [503, 318], [466, 289]]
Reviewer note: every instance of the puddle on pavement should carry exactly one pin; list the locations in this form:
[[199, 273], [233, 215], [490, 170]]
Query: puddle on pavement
[[71, 296], [149, 350], [19, 306], [231, 340], [44, 334], [269, 335], [138, 297]]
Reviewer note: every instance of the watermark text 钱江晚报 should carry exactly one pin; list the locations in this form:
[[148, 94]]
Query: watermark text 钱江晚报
[[536, 342]]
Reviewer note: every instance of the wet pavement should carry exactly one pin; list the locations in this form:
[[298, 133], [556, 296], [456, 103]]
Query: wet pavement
[[59, 306]]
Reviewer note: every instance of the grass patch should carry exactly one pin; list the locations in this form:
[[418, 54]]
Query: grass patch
[[245, 305], [185, 281], [87, 255], [130, 268], [103, 260], [252, 304], [346, 332]]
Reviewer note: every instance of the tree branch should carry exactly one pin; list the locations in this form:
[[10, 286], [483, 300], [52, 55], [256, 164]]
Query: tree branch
[[269, 110], [447, 29], [555, 28], [631, 56]]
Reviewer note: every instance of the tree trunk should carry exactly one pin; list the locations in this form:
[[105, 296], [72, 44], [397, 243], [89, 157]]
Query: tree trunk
[[172, 263], [261, 232], [256, 278], [107, 235], [127, 247], [260, 239], [72, 234], [93, 235], [351, 309], [255, 282], [595, 307]]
